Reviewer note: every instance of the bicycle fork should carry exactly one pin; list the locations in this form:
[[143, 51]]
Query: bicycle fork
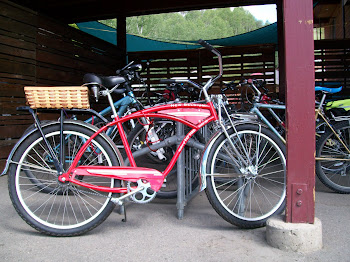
[[242, 161]]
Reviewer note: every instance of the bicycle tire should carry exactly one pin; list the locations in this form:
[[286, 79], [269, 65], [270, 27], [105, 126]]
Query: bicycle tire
[[334, 174], [65, 209], [247, 198]]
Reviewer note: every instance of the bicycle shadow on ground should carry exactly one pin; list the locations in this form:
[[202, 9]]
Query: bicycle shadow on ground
[[320, 187]]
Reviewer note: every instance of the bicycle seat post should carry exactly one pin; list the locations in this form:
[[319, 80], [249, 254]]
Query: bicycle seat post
[[322, 100], [111, 103]]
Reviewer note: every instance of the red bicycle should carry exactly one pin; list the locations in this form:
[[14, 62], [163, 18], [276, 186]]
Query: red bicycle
[[66, 177]]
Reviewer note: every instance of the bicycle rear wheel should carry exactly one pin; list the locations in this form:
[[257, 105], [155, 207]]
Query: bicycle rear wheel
[[247, 196], [52, 207], [333, 164]]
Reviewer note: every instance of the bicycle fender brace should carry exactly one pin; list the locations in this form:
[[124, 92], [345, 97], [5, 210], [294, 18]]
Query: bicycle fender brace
[[204, 161], [204, 172]]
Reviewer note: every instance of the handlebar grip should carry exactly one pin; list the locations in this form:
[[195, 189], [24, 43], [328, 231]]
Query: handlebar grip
[[205, 44], [167, 81]]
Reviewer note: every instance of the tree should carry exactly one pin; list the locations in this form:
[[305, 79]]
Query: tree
[[192, 25]]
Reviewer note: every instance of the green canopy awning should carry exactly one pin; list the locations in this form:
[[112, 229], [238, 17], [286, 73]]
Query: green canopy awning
[[264, 35]]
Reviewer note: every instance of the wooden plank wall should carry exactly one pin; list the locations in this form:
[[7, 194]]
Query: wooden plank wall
[[36, 50], [17, 69], [332, 63], [199, 64], [64, 54]]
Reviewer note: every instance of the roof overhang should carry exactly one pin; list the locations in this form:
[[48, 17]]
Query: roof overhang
[[72, 11], [324, 11]]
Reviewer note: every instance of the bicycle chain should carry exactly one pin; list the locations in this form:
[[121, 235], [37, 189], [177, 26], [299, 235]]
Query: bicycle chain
[[91, 193], [108, 197]]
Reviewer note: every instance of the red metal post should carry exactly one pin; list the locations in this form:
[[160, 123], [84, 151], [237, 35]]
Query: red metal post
[[300, 99], [281, 58]]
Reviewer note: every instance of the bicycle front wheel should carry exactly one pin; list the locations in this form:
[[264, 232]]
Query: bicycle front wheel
[[247, 195], [333, 158], [46, 204]]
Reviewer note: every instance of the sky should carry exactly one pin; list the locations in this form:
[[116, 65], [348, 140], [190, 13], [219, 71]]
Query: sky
[[263, 12]]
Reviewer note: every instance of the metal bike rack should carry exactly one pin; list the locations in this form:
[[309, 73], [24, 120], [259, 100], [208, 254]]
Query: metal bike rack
[[187, 170], [181, 202], [187, 166]]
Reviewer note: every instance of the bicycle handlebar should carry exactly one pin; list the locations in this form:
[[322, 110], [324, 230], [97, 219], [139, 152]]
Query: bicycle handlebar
[[205, 44], [210, 81], [125, 67], [215, 52], [167, 81]]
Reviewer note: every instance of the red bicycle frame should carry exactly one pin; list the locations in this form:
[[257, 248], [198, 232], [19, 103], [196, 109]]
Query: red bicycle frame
[[192, 115]]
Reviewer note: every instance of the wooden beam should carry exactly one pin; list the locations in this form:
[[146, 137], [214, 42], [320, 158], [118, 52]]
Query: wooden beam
[[121, 36]]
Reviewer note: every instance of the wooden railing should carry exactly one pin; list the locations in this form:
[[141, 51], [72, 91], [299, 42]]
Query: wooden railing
[[332, 64], [200, 64]]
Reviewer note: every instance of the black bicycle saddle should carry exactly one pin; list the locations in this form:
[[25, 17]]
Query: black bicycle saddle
[[106, 81]]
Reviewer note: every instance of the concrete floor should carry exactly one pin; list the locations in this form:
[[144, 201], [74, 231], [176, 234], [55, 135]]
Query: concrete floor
[[153, 233]]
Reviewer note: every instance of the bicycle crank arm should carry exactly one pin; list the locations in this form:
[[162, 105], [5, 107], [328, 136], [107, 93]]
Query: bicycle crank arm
[[119, 200]]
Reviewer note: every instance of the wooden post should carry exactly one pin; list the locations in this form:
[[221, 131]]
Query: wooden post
[[121, 36], [300, 100]]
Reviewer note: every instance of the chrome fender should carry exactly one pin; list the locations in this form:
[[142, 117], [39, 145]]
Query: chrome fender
[[204, 160]]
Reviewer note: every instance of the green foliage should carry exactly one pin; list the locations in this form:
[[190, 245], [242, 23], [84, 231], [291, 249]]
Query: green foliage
[[193, 25], [74, 25], [110, 22]]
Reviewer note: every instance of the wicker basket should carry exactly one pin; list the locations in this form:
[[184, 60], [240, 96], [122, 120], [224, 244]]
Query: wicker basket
[[57, 96]]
